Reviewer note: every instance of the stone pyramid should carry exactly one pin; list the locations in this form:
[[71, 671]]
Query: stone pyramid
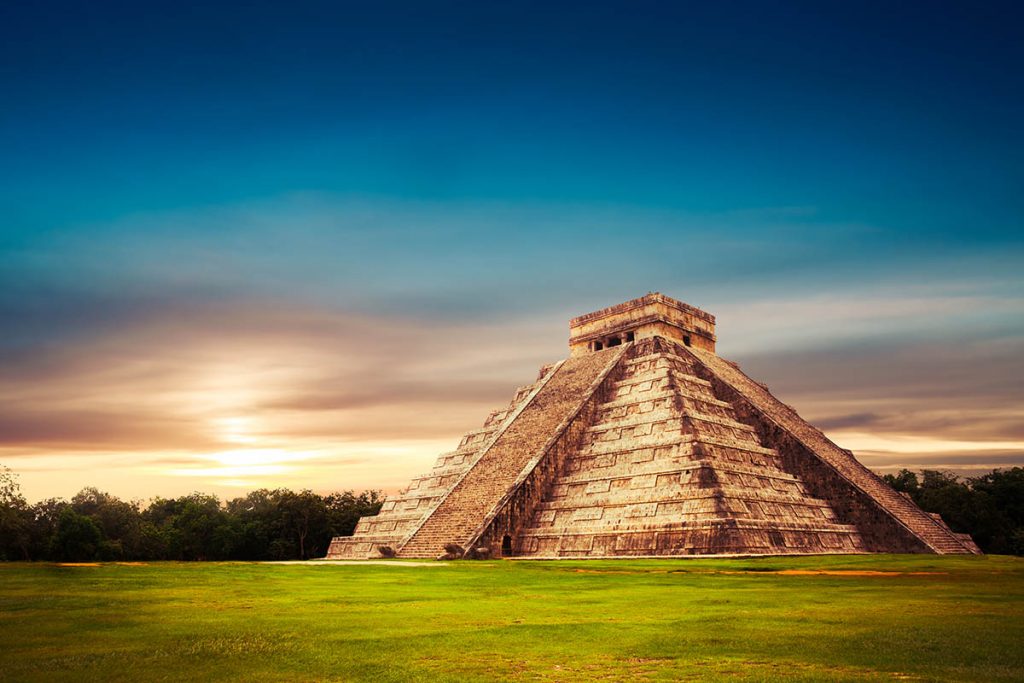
[[645, 443]]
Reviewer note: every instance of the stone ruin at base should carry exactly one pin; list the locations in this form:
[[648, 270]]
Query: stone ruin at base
[[645, 443]]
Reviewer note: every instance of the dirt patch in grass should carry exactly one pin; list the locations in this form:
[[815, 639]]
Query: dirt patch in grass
[[783, 572], [99, 564], [849, 572]]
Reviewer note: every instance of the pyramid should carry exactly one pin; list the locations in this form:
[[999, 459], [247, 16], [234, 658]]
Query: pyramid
[[645, 443]]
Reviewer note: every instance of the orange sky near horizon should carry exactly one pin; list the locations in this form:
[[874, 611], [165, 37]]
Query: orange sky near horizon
[[225, 401], [316, 248]]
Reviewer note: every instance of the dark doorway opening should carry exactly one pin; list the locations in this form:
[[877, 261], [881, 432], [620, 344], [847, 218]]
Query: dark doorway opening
[[630, 336], [686, 339], [598, 346], [506, 546], [614, 341]]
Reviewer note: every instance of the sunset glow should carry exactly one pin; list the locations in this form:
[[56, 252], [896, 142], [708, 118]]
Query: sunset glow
[[318, 262]]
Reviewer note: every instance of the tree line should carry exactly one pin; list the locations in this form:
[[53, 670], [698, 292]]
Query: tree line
[[266, 524], [280, 524], [990, 508]]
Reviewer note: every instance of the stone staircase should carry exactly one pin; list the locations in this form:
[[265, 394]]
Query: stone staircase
[[402, 513], [458, 515], [645, 443], [667, 469], [935, 535]]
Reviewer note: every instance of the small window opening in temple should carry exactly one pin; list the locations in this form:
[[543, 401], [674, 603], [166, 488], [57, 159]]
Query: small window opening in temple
[[598, 346], [686, 339], [614, 341], [630, 336], [506, 545]]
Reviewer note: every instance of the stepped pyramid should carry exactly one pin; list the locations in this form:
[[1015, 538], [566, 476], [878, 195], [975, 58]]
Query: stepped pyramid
[[645, 443]]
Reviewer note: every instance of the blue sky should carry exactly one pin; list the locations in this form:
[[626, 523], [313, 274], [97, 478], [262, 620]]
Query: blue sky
[[195, 191]]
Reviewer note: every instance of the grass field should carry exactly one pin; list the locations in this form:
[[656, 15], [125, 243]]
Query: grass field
[[922, 618]]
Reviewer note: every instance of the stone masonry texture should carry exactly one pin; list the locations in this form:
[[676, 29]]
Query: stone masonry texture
[[646, 444]]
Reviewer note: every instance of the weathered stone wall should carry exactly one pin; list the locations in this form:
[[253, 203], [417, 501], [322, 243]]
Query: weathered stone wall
[[502, 464], [402, 513], [889, 521], [879, 531], [665, 469], [515, 512], [654, 447], [649, 316]]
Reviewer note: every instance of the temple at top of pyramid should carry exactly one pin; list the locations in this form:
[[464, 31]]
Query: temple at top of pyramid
[[654, 315], [645, 443]]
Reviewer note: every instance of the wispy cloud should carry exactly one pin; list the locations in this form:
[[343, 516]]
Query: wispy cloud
[[256, 392], [287, 343], [955, 402]]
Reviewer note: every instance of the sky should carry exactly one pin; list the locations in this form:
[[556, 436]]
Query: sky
[[311, 244]]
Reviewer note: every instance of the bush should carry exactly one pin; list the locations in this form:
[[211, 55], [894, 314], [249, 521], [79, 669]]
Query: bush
[[78, 538]]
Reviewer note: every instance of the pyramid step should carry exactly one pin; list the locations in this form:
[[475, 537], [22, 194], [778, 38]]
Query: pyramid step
[[675, 495], [905, 512], [660, 394], [667, 463], [709, 521], [475, 496], [671, 466], [641, 384]]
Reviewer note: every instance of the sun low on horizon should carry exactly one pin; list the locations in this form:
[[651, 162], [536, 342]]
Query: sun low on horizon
[[328, 411], [312, 249]]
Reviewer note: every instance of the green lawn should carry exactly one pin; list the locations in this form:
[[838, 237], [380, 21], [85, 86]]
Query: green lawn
[[957, 618]]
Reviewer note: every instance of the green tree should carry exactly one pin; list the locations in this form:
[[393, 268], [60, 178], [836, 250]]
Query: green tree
[[78, 538], [904, 481], [193, 527], [1003, 494], [262, 525], [304, 517], [258, 519], [989, 508], [345, 509], [1006, 488], [15, 519], [119, 521], [157, 542], [45, 520], [343, 512]]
